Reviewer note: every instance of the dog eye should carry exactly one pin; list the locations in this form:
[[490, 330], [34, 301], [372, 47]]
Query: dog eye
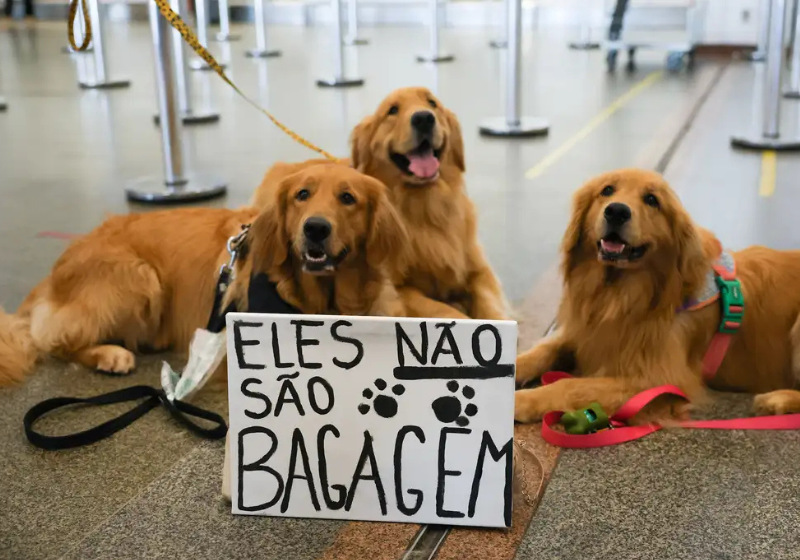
[[651, 200], [393, 110], [302, 194], [608, 190], [347, 199], [432, 103]]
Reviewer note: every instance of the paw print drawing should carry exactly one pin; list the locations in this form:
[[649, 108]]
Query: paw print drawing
[[385, 405], [449, 408]]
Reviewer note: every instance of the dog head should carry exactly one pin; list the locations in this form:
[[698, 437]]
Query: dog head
[[325, 217], [631, 218], [408, 139]]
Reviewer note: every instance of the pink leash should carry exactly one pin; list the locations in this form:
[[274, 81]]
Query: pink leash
[[620, 432]]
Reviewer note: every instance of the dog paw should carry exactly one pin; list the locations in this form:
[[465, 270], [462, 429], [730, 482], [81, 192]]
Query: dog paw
[[526, 407], [777, 402], [449, 408], [385, 405], [115, 359]]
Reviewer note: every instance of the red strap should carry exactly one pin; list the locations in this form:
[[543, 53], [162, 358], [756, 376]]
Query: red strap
[[715, 354], [621, 433]]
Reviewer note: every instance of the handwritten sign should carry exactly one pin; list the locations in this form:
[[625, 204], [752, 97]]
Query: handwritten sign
[[377, 419]]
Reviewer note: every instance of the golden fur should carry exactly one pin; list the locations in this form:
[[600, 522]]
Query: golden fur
[[148, 280], [618, 322], [443, 272]]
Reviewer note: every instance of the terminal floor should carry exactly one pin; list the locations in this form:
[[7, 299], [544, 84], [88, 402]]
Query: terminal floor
[[152, 490]]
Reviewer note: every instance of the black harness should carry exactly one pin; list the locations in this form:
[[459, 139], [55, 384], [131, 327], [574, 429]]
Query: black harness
[[262, 297]]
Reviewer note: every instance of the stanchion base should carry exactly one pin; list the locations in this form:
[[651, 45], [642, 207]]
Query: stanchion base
[[68, 50], [259, 53], [200, 64], [108, 84], [3, 104], [498, 44], [154, 190], [340, 82], [791, 94], [435, 57], [526, 128], [355, 41], [760, 142], [225, 37], [584, 46], [195, 117]]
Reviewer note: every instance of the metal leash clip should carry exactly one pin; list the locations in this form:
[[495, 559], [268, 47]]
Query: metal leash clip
[[226, 272]]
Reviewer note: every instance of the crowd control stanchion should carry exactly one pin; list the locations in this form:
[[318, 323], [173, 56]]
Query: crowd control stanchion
[[100, 79], [201, 23], [352, 25], [770, 138], [502, 41], [339, 78], [513, 125], [435, 54], [584, 42], [793, 91], [225, 23], [188, 114], [760, 54], [177, 185], [260, 20]]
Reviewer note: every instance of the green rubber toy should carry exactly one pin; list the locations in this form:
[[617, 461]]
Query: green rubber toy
[[585, 420]]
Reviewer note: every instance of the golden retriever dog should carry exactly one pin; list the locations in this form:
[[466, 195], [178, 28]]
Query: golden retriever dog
[[148, 280], [413, 144], [631, 259]]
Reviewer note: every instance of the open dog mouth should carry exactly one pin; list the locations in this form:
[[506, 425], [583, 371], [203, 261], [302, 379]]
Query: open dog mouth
[[422, 162], [316, 260], [614, 248]]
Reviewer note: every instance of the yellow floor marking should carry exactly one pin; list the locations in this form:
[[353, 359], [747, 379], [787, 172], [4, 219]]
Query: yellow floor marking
[[769, 164], [596, 121]]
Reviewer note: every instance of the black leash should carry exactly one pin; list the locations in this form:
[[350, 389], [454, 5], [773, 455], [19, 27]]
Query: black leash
[[181, 411]]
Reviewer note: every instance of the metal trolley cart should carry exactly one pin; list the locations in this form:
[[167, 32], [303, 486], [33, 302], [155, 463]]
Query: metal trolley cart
[[679, 54]]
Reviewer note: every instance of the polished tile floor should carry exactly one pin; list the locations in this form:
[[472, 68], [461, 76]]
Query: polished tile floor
[[67, 154]]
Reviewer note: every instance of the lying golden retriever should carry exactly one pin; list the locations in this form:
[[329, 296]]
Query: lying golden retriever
[[632, 258], [149, 279], [413, 144]]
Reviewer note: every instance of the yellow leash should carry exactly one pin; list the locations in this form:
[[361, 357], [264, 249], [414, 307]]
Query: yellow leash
[[188, 36]]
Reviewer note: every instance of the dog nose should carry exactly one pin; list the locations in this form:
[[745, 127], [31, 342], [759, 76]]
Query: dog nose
[[317, 229], [423, 121], [617, 213]]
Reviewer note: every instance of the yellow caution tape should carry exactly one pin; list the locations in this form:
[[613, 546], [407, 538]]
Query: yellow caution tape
[[188, 36]]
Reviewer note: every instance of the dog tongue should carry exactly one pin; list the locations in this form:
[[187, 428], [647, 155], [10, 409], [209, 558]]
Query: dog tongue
[[423, 165], [612, 246]]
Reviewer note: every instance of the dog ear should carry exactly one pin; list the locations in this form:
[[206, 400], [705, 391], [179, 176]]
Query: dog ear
[[456, 140], [360, 138], [268, 244], [387, 236], [573, 236], [695, 247]]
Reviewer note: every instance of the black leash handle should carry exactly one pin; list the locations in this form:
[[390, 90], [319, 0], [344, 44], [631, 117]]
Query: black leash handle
[[181, 411]]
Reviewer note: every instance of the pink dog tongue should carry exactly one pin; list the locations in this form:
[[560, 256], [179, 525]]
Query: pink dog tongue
[[423, 165], [612, 246]]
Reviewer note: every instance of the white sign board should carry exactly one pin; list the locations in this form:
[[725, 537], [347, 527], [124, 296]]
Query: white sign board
[[369, 418]]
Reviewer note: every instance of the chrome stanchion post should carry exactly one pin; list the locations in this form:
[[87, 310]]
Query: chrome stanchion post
[[339, 78], [770, 138], [434, 55], [793, 91], [352, 25], [225, 23], [584, 42], [177, 185], [513, 124], [764, 12], [201, 23], [184, 81], [100, 79], [261, 50], [502, 42]]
